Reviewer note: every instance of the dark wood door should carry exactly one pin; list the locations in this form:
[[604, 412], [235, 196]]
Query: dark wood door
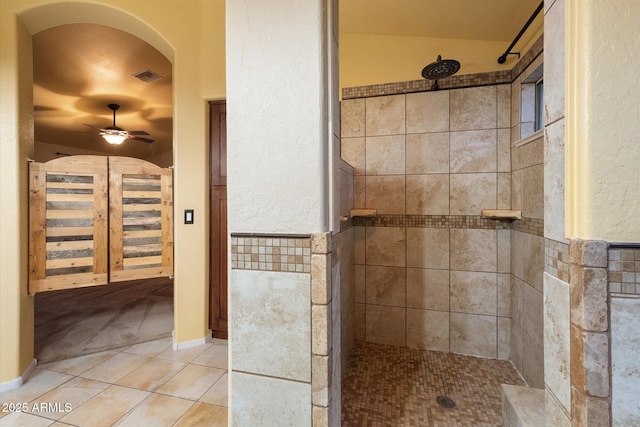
[[218, 311]]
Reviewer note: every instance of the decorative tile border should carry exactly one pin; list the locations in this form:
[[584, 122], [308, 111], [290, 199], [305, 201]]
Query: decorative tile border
[[556, 259], [624, 270], [453, 82], [287, 253], [527, 225], [533, 226], [345, 225]]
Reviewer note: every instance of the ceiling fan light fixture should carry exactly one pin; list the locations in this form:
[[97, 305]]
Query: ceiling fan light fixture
[[114, 137]]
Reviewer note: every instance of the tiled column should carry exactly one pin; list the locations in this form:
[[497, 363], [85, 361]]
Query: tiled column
[[321, 334], [590, 382]]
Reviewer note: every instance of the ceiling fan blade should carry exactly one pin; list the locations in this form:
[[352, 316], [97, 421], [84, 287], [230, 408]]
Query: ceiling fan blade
[[92, 126], [137, 132], [139, 138]]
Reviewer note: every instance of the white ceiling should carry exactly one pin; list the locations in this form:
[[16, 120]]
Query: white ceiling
[[80, 68]]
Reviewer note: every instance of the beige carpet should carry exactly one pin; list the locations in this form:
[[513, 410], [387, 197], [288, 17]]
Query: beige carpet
[[75, 322]]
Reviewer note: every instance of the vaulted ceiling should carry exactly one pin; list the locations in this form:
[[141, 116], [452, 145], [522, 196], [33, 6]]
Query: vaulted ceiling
[[81, 68]]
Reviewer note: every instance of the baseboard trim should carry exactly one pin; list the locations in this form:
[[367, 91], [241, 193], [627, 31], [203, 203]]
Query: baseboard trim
[[17, 382], [189, 344]]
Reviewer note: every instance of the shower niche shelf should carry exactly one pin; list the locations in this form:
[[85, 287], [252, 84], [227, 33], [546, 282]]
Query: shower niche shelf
[[363, 212], [502, 214]]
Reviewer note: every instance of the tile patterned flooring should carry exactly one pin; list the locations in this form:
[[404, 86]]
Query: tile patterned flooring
[[147, 384], [397, 386], [75, 322]]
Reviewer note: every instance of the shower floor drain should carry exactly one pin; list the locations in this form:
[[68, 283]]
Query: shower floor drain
[[446, 402]]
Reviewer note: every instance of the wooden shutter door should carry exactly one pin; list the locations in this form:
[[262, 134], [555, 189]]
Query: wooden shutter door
[[68, 223], [140, 220]]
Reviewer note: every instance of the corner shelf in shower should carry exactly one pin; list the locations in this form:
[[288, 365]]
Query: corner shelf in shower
[[363, 212], [502, 213]]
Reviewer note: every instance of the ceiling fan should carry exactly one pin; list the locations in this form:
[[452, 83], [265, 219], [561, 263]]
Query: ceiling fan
[[116, 135]]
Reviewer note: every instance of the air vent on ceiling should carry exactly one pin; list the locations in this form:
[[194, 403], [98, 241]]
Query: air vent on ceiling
[[147, 76]]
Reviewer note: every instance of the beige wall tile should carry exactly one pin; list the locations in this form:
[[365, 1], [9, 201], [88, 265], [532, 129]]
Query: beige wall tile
[[473, 108], [474, 293], [352, 118], [360, 283], [285, 325], [556, 330], [554, 60], [504, 105], [554, 181], [386, 286], [428, 248], [516, 345], [504, 294], [386, 194], [352, 152], [474, 334], [360, 322], [533, 192], [625, 347], [472, 192], [359, 191], [385, 115], [504, 191], [504, 150], [517, 299], [321, 329], [533, 260], [259, 400], [427, 194], [385, 325], [474, 151], [504, 338], [553, 413], [516, 189], [428, 289], [428, 153], [504, 251], [532, 315], [517, 254], [359, 244], [428, 112], [474, 250], [532, 362], [385, 155], [428, 329], [515, 103], [385, 246], [321, 368]]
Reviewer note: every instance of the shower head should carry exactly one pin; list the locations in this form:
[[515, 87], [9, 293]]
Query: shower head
[[440, 69]]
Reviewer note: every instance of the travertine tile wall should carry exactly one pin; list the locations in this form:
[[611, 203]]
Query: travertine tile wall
[[527, 241], [425, 278], [624, 293], [558, 271]]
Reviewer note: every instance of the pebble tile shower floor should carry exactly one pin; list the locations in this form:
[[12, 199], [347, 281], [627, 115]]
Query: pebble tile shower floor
[[397, 386]]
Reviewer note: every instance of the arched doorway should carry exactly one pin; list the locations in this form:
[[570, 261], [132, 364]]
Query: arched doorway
[[21, 24]]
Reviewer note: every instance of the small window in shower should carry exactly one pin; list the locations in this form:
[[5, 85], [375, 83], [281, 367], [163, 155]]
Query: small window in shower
[[539, 100], [531, 103]]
